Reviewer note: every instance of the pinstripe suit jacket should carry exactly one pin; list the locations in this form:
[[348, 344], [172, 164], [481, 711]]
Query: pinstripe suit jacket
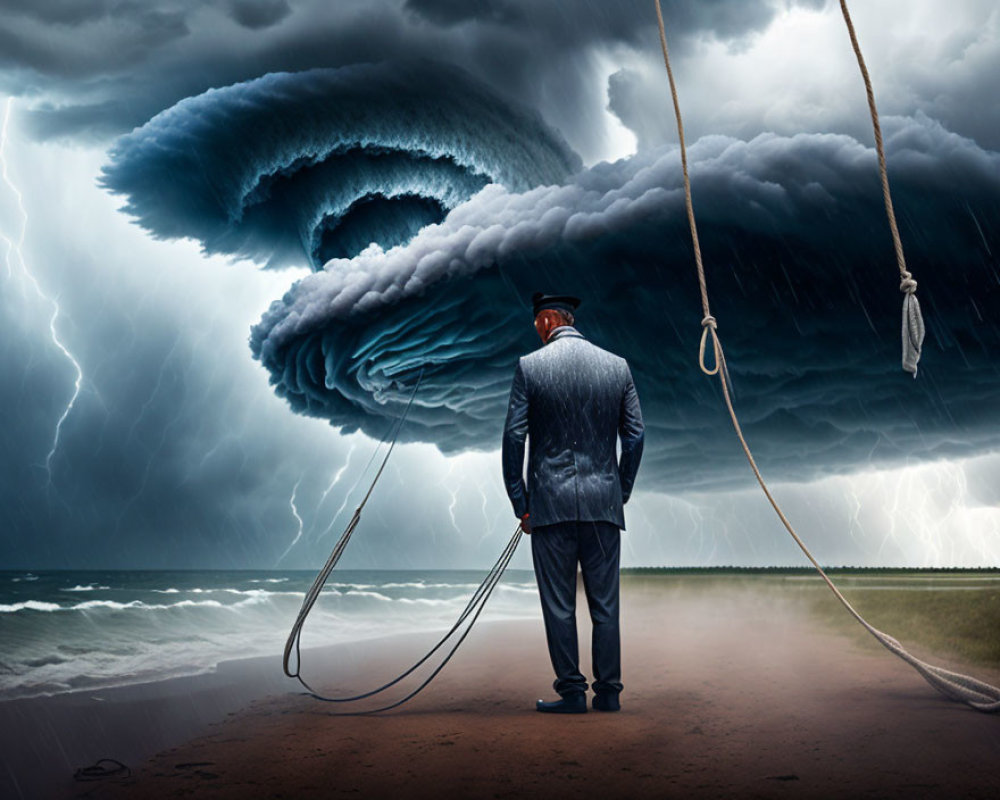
[[572, 401]]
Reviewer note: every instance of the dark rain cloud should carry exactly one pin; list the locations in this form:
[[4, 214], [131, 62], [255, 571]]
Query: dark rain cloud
[[62, 48], [259, 14], [302, 167], [62, 12], [590, 23], [802, 278], [119, 64], [175, 455]]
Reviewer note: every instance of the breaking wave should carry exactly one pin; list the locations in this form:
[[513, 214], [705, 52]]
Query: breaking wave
[[126, 634]]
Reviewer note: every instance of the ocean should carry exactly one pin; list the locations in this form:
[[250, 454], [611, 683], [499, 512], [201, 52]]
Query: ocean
[[66, 631]]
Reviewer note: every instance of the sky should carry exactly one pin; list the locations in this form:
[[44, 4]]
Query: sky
[[235, 232]]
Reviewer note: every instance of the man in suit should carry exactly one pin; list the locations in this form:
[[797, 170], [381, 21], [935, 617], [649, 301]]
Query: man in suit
[[573, 400]]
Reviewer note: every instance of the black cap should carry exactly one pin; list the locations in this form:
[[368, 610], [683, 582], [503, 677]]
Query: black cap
[[564, 302]]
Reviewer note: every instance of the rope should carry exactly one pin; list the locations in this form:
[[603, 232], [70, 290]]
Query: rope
[[338, 550], [708, 320], [474, 607], [98, 771], [913, 324], [477, 602], [975, 693]]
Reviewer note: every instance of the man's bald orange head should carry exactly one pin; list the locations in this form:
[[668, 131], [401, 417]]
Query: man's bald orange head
[[548, 319]]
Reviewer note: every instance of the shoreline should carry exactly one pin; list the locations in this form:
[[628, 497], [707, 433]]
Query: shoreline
[[129, 722], [83, 725], [733, 688]]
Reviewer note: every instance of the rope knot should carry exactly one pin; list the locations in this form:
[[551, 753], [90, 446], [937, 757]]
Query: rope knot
[[907, 284], [709, 322]]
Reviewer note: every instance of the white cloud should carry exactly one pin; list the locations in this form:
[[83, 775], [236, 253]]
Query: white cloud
[[800, 74]]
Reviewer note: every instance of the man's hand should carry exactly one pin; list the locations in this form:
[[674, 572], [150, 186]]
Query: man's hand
[[525, 525]]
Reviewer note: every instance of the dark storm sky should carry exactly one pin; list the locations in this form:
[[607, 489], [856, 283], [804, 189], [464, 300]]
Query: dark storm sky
[[175, 450]]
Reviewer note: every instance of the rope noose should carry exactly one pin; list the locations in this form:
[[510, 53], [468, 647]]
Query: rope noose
[[975, 693]]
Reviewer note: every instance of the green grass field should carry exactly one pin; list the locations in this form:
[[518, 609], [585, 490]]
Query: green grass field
[[931, 615], [953, 615]]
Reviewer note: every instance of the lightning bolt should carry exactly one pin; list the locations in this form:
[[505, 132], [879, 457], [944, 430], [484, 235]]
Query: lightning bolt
[[855, 526], [454, 499], [164, 438], [724, 523], [295, 513], [152, 396], [14, 248], [338, 475], [917, 515], [893, 512], [697, 519], [488, 524], [347, 495]]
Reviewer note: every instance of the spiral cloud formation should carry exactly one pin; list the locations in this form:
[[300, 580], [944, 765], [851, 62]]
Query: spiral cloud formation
[[475, 203], [296, 168], [801, 274]]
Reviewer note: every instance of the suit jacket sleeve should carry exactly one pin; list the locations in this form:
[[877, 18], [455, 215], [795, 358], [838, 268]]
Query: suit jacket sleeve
[[632, 433], [514, 434]]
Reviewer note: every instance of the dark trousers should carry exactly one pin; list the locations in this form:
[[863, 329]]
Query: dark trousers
[[556, 550]]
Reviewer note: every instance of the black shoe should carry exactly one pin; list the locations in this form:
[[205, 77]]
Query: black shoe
[[606, 702], [575, 703]]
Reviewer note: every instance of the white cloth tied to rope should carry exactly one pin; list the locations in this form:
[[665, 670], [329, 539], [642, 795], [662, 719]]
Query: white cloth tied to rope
[[913, 325]]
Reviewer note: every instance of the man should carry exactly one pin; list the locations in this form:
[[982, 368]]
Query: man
[[573, 400]]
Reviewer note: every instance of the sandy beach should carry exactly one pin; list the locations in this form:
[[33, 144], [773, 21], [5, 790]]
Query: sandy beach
[[731, 691]]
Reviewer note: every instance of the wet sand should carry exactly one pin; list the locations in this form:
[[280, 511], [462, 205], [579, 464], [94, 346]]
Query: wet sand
[[731, 691]]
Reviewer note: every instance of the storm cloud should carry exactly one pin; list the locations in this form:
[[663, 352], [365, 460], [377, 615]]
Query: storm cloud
[[177, 451], [297, 168], [800, 269], [95, 70]]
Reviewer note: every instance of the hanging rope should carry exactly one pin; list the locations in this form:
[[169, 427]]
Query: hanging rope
[[913, 323], [474, 607], [975, 693]]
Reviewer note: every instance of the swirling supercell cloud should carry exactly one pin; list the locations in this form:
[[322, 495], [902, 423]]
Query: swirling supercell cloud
[[473, 204], [802, 275], [304, 167]]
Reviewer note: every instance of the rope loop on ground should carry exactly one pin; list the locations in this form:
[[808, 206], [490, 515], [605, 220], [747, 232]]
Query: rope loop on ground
[[101, 769]]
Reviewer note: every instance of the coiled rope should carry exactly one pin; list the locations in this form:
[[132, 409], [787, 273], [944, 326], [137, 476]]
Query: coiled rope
[[975, 693], [471, 611]]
